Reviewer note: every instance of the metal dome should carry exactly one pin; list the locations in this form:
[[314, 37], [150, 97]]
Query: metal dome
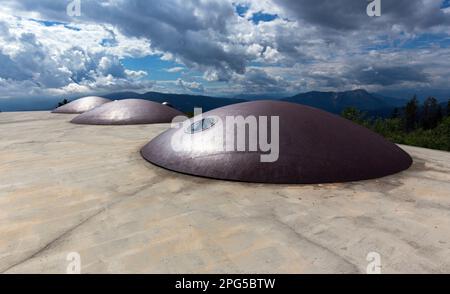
[[82, 105], [314, 147], [128, 112]]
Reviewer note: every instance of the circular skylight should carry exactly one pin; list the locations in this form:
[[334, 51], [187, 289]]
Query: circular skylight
[[201, 125]]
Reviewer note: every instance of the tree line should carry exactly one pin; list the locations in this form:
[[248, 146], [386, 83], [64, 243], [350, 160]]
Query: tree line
[[424, 125]]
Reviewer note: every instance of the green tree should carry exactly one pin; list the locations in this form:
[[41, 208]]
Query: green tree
[[442, 135], [448, 108], [411, 114], [431, 114], [63, 102], [355, 115], [395, 113]]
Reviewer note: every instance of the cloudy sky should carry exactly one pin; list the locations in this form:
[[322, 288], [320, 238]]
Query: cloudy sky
[[222, 47]]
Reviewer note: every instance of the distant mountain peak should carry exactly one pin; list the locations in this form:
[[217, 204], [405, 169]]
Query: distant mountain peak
[[362, 91], [336, 102]]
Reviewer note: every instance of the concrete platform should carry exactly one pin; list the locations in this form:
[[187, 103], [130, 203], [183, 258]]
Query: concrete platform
[[70, 188]]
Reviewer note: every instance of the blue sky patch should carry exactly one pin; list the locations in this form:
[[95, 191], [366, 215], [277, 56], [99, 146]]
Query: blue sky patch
[[241, 9], [154, 66], [263, 17], [49, 23], [426, 41]]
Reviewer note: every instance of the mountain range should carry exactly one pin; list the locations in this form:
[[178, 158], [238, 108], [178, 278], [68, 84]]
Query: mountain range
[[334, 102], [182, 102]]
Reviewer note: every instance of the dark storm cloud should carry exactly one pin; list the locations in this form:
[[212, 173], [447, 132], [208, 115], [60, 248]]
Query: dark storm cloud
[[351, 14], [386, 76], [192, 31], [346, 14], [258, 81], [10, 70]]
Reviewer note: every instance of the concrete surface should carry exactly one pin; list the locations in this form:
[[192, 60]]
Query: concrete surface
[[69, 188]]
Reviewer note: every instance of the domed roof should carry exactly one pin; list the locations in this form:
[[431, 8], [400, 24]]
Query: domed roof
[[313, 147], [82, 105], [128, 112]]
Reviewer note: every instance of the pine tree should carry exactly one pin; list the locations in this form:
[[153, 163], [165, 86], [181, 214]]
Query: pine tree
[[64, 102], [411, 114], [395, 113], [354, 114], [448, 108], [432, 113]]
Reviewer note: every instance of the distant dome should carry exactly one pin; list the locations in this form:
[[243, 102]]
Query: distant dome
[[167, 104], [314, 147], [82, 105], [128, 112]]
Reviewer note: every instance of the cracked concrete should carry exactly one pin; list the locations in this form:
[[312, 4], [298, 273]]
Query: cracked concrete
[[66, 188]]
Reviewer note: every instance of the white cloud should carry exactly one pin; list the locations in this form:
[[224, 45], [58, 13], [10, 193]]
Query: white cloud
[[53, 58], [175, 69], [310, 46], [193, 87]]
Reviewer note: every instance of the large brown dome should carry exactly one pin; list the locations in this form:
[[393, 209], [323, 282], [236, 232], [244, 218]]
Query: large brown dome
[[314, 147], [128, 112], [82, 105]]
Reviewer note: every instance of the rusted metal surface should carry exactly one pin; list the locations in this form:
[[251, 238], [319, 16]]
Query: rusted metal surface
[[314, 147], [128, 112], [82, 105]]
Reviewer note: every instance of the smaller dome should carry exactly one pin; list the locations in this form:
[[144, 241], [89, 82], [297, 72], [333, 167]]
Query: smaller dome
[[128, 112], [167, 104], [82, 105]]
